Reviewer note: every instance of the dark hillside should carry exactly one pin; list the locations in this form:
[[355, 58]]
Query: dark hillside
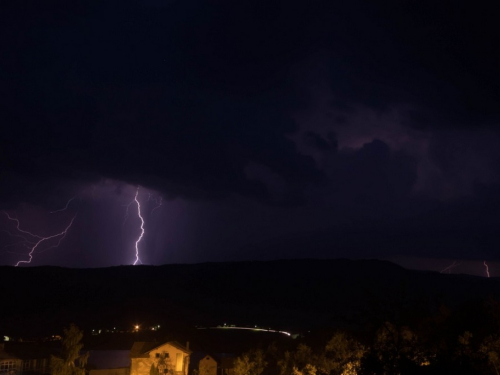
[[288, 294]]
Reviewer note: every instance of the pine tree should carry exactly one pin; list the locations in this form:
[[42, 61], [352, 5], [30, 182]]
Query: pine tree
[[71, 361]]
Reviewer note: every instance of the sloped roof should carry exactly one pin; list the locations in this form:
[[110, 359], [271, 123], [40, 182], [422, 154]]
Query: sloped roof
[[141, 349], [200, 358], [224, 360]]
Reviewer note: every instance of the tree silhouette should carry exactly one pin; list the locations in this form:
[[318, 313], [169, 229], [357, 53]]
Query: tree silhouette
[[490, 348], [399, 350], [251, 363], [71, 362], [343, 355]]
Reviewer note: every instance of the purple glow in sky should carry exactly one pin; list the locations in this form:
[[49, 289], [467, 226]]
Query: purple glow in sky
[[256, 130], [98, 209], [186, 232]]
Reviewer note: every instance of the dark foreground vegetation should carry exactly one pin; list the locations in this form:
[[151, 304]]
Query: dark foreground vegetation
[[431, 346], [364, 317]]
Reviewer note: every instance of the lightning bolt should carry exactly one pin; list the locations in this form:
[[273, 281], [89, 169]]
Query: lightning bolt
[[487, 269], [65, 207], [126, 212], [37, 240], [137, 259], [158, 204], [451, 266]]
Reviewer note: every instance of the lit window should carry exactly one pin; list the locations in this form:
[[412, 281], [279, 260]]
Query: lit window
[[7, 366]]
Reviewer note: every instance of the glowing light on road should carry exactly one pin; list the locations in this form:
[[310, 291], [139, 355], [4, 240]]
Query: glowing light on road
[[137, 259], [487, 269], [38, 240], [249, 329]]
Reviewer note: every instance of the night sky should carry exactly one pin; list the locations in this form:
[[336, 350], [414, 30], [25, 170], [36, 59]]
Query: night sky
[[252, 129]]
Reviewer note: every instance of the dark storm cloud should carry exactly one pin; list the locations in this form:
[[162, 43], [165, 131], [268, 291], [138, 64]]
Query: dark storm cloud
[[184, 96], [467, 158], [439, 58], [316, 141], [370, 180], [143, 96], [366, 112]]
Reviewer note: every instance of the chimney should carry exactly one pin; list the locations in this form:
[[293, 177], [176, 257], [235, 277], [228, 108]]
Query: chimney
[[187, 345]]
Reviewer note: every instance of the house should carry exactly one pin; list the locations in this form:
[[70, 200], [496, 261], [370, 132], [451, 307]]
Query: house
[[212, 364], [152, 358], [227, 365], [9, 363], [207, 365], [24, 359]]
